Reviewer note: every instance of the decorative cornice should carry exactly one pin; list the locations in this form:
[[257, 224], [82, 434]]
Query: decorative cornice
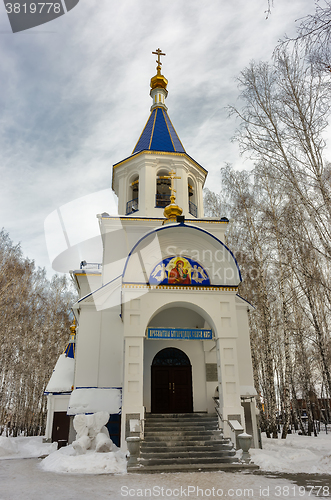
[[172, 153], [182, 288], [162, 219]]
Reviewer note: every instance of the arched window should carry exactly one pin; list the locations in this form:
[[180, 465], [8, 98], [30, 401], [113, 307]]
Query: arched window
[[133, 203], [171, 356], [162, 198], [192, 204]]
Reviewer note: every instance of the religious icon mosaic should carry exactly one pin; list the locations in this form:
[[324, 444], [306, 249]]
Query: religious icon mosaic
[[179, 271]]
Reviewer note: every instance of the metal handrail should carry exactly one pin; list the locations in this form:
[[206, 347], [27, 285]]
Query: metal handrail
[[193, 209], [162, 200], [132, 206], [217, 404]]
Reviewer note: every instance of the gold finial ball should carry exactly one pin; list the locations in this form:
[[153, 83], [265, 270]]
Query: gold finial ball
[[172, 211], [159, 81], [73, 327]]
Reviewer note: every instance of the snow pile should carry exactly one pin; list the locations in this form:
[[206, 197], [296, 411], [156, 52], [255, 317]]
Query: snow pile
[[295, 454], [24, 447], [95, 399], [63, 375], [66, 460]]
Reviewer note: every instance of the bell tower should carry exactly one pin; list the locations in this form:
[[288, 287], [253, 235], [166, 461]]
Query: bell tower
[[145, 182]]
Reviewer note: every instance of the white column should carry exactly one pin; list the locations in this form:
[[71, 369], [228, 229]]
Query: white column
[[181, 189], [50, 416], [228, 379], [200, 199], [122, 193], [134, 336]]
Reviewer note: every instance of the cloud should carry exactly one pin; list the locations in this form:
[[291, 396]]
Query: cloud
[[75, 94]]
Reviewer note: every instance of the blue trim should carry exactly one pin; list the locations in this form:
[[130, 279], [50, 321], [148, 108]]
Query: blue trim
[[179, 333], [100, 288], [173, 226], [242, 298], [56, 393], [94, 387]]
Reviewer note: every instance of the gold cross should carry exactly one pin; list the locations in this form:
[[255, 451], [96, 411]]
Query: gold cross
[[172, 176], [159, 53]]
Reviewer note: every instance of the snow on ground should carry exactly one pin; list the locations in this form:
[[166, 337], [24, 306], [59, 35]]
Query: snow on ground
[[66, 460], [24, 447], [25, 480], [295, 454]]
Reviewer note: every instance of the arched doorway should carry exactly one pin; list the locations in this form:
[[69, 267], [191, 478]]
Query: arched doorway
[[171, 382]]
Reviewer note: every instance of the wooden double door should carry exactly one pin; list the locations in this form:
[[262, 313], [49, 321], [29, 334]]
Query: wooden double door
[[171, 388]]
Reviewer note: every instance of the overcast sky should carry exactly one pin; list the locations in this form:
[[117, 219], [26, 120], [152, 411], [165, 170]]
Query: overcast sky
[[75, 96]]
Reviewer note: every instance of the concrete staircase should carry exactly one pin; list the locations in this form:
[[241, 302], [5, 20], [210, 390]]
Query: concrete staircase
[[184, 442]]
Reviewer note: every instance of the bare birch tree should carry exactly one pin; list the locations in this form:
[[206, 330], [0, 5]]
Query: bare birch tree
[[282, 212], [34, 328]]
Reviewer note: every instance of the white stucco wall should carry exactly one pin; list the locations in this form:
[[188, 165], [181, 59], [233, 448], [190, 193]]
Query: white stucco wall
[[244, 346], [99, 348]]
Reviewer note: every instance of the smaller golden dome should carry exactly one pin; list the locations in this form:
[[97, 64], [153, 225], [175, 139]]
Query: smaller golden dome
[[159, 81], [172, 211], [73, 327]]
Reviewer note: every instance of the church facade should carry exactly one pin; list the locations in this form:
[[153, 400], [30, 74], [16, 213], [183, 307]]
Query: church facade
[[160, 325]]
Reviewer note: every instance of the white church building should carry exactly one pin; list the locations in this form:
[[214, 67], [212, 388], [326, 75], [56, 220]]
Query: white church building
[[161, 328]]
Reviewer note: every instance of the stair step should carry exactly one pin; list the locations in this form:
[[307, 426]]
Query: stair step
[[188, 441], [209, 445], [172, 425], [180, 415], [188, 454], [168, 421], [152, 469], [188, 460], [174, 443], [179, 432]]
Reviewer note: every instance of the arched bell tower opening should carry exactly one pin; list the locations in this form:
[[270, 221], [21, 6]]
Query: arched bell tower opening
[[132, 204], [192, 198], [171, 382], [162, 198]]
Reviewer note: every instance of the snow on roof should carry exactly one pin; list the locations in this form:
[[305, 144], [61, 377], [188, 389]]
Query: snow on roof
[[92, 400], [247, 391], [62, 378]]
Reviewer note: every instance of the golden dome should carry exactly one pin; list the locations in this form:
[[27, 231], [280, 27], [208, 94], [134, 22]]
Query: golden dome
[[159, 81], [172, 211]]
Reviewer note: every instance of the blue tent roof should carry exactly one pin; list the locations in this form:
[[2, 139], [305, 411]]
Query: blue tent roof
[[159, 134], [69, 351]]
